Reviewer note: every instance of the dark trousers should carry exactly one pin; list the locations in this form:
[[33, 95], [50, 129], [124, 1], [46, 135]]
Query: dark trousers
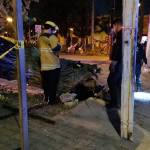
[[137, 75], [114, 83], [138, 71], [50, 81]]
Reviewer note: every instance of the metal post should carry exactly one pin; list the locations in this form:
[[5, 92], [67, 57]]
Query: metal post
[[148, 45], [23, 114], [92, 25], [141, 17], [113, 11]]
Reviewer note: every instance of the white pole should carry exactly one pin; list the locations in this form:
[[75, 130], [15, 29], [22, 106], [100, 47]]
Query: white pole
[[148, 45], [130, 29]]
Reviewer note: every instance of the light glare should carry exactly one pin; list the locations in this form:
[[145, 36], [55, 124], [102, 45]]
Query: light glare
[[139, 4], [9, 19], [142, 96]]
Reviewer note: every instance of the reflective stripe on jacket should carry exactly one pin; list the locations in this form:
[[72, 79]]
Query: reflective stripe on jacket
[[49, 60]]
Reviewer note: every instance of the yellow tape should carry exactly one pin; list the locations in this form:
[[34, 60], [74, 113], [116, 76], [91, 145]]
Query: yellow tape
[[20, 44], [4, 54]]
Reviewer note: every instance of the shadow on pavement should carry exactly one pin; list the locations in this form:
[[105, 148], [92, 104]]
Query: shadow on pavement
[[114, 118]]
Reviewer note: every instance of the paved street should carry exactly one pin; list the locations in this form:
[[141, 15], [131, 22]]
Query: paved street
[[54, 64], [88, 126]]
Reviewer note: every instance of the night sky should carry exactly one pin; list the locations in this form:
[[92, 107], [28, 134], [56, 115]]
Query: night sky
[[102, 7], [147, 7], [76, 12], [47, 8], [58, 9]]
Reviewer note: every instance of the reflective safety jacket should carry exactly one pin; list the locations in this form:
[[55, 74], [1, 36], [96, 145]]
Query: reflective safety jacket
[[49, 61]]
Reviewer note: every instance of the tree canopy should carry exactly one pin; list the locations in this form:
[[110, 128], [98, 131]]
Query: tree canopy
[[6, 7]]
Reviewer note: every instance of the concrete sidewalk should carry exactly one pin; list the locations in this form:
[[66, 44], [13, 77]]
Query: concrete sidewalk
[[86, 127]]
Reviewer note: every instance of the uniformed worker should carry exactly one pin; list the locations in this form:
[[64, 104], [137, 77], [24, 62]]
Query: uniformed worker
[[50, 63], [115, 76]]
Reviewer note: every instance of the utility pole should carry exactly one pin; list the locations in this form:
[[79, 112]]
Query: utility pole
[[23, 114], [92, 25], [141, 17], [130, 30], [113, 11], [148, 45]]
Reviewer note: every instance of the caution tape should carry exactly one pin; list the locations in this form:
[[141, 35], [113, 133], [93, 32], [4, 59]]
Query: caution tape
[[4, 54]]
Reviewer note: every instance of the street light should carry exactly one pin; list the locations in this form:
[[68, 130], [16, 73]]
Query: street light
[[71, 29], [9, 19]]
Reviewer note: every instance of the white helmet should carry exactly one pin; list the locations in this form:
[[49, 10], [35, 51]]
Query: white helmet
[[50, 23], [56, 28]]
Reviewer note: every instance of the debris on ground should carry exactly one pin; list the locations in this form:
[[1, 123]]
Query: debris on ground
[[67, 97], [78, 81], [11, 86]]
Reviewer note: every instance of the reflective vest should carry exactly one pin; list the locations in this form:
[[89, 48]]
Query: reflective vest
[[49, 61]]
